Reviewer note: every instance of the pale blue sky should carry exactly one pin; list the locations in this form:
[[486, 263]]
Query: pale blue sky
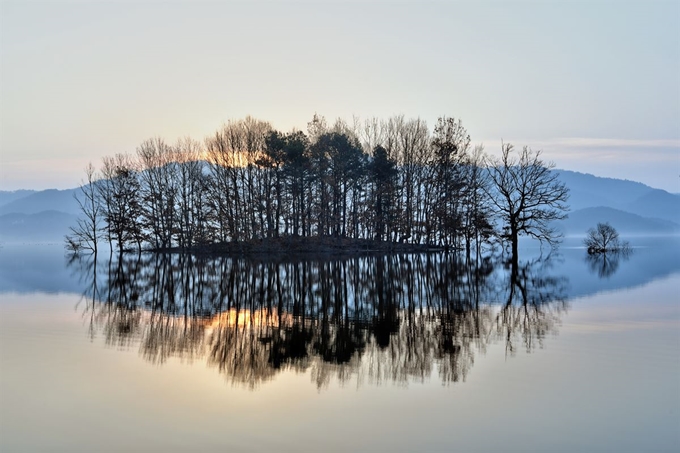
[[596, 85]]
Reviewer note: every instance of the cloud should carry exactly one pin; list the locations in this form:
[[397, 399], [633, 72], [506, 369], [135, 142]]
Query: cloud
[[580, 142], [585, 150]]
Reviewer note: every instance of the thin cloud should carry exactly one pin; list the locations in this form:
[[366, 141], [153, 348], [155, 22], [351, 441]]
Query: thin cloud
[[598, 149], [579, 142]]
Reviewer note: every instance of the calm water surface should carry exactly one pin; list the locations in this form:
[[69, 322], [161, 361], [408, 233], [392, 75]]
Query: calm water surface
[[421, 353]]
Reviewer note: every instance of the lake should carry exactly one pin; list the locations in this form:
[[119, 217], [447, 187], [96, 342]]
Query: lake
[[397, 353]]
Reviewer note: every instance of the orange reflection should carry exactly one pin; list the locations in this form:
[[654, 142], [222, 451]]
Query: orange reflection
[[248, 318]]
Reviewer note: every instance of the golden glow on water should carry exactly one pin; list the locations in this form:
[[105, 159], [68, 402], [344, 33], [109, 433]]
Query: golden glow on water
[[247, 318]]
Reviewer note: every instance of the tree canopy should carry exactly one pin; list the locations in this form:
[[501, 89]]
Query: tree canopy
[[526, 195]]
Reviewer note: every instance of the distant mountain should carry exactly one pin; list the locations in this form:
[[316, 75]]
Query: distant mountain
[[626, 223], [46, 226], [9, 196], [589, 191], [45, 200], [657, 204]]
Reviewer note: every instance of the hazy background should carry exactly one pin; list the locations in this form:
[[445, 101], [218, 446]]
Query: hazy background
[[593, 84]]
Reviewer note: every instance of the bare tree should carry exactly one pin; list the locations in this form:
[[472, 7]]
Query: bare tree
[[316, 127], [235, 154], [371, 134], [121, 201], [604, 238], [87, 231], [527, 195], [158, 189], [224, 198], [412, 157], [191, 192], [254, 133], [477, 213]]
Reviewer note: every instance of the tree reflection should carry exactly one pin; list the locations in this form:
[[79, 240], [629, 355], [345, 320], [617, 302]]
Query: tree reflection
[[534, 303], [606, 264], [376, 319]]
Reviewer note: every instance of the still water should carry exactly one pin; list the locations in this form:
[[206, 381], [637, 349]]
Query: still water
[[400, 353]]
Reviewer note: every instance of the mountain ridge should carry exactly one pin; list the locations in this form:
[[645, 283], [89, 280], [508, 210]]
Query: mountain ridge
[[43, 200]]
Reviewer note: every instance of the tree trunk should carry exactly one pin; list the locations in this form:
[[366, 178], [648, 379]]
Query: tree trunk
[[514, 240]]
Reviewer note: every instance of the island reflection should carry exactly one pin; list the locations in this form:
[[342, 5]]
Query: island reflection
[[376, 319], [606, 264]]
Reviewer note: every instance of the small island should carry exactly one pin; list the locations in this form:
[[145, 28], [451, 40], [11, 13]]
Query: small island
[[285, 248], [379, 187], [604, 239]]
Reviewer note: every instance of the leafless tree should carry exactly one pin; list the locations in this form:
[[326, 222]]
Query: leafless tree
[[477, 212], [86, 233], [604, 238], [121, 201], [224, 197], [192, 187], [527, 195], [238, 193], [158, 189], [316, 127]]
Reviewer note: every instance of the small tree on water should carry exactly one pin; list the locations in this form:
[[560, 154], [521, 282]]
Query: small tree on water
[[604, 238]]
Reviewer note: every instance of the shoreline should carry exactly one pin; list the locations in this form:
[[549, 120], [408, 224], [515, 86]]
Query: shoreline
[[304, 247]]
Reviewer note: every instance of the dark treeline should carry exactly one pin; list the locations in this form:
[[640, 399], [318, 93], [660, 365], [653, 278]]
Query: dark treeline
[[392, 318], [390, 180]]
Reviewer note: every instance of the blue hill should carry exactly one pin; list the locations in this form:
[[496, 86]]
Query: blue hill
[[589, 191], [626, 223], [9, 196], [45, 200]]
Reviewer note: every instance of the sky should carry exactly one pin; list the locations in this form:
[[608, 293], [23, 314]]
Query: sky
[[595, 85]]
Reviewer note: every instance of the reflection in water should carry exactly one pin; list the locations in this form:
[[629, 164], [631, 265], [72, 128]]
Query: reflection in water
[[535, 300], [606, 264], [376, 319]]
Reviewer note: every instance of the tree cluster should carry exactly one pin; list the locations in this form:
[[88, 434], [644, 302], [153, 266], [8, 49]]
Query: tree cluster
[[390, 180]]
